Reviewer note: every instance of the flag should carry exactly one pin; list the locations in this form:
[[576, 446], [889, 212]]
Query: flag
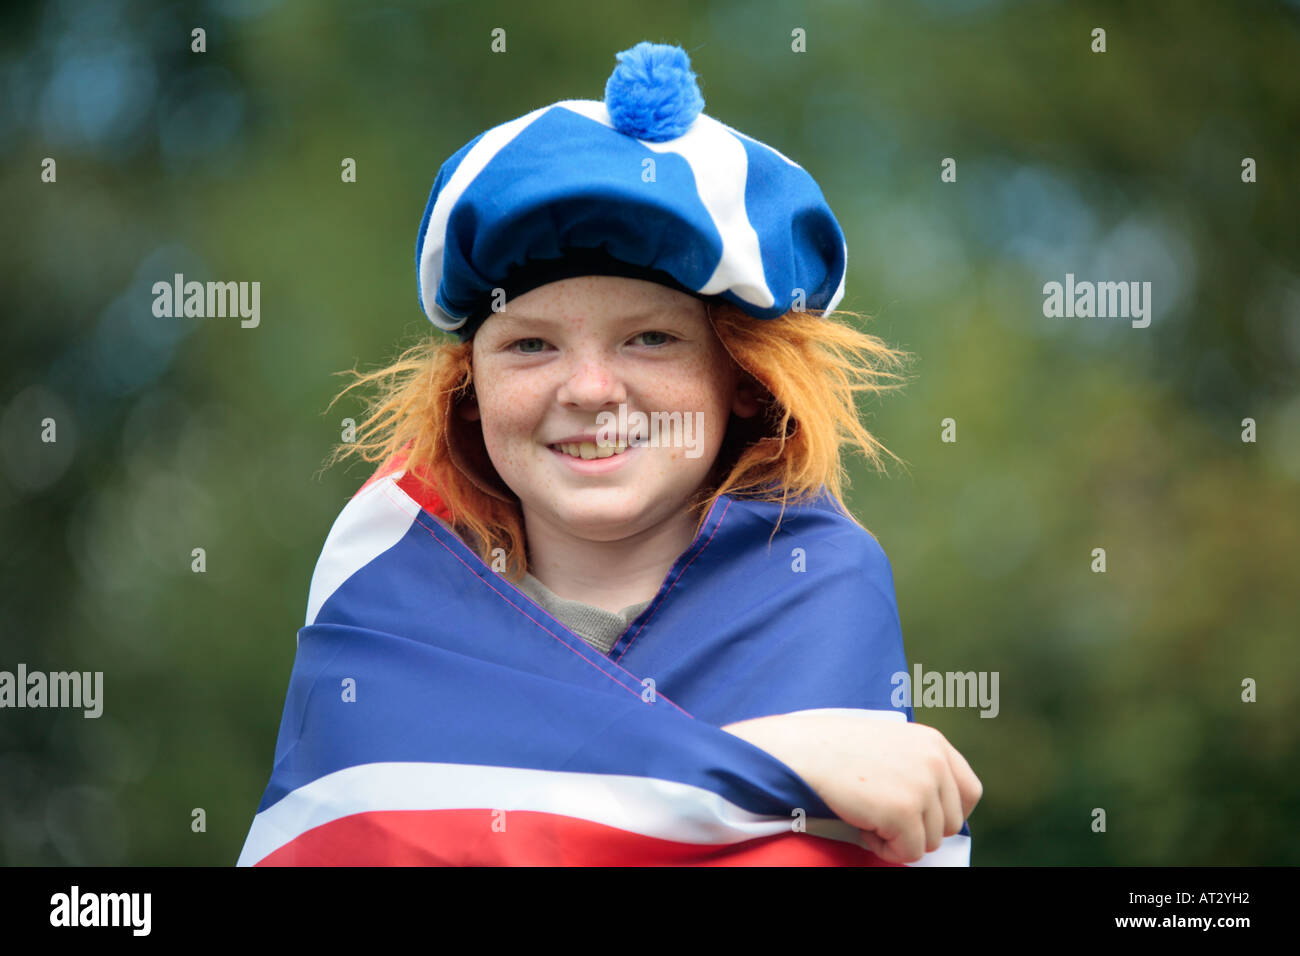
[[437, 715]]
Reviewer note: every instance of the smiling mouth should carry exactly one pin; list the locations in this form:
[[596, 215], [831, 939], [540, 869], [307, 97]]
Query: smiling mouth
[[587, 450]]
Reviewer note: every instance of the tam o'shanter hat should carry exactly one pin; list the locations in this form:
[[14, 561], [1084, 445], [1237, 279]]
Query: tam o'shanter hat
[[566, 190]]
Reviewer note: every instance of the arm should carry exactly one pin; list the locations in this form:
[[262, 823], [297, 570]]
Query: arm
[[903, 785]]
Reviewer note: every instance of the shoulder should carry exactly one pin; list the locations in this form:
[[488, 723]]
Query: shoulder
[[829, 539]]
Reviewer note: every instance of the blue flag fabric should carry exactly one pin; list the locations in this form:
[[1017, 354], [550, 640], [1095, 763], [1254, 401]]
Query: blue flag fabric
[[437, 715]]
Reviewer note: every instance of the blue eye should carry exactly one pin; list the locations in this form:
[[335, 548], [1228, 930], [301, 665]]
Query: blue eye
[[666, 336], [516, 344]]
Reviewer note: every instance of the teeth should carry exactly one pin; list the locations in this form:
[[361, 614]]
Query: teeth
[[588, 450]]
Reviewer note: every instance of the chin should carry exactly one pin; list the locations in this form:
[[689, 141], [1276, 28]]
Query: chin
[[597, 521]]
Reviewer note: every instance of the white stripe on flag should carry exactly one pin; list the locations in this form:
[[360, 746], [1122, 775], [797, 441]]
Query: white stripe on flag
[[894, 715], [369, 524], [663, 809]]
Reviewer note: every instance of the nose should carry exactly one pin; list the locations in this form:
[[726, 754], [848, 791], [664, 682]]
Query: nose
[[594, 382]]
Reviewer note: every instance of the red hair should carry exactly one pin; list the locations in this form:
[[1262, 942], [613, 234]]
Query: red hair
[[809, 368]]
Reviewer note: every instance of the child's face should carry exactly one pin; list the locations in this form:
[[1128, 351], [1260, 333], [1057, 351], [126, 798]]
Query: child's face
[[561, 354]]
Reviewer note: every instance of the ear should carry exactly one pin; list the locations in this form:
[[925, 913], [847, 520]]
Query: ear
[[746, 403]]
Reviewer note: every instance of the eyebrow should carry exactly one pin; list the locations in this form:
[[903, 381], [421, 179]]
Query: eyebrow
[[543, 320]]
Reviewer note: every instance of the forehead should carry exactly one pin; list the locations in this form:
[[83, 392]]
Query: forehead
[[596, 299]]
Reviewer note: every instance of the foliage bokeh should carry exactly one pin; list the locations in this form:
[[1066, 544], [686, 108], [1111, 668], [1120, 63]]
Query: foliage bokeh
[[1119, 690]]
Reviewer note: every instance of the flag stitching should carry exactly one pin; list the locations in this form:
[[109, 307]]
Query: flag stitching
[[433, 534], [655, 611]]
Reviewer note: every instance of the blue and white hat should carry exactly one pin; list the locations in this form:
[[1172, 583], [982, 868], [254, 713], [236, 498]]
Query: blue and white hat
[[642, 185]]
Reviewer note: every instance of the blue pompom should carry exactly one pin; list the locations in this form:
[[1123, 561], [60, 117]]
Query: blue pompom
[[652, 93]]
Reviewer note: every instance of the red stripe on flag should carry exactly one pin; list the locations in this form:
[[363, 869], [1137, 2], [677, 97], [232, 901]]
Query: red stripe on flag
[[422, 494], [531, 838]]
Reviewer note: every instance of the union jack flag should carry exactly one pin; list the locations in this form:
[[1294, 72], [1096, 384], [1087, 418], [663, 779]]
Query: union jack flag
[[437, 715]]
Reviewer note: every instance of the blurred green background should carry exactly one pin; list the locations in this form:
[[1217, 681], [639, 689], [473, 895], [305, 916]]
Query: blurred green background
[[1119, 690]]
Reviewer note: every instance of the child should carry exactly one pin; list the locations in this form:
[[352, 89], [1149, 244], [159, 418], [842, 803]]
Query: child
[[557, 476]]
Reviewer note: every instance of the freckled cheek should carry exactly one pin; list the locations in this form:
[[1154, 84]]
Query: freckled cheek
[[706, 429], [714, 409], [509, 420]]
